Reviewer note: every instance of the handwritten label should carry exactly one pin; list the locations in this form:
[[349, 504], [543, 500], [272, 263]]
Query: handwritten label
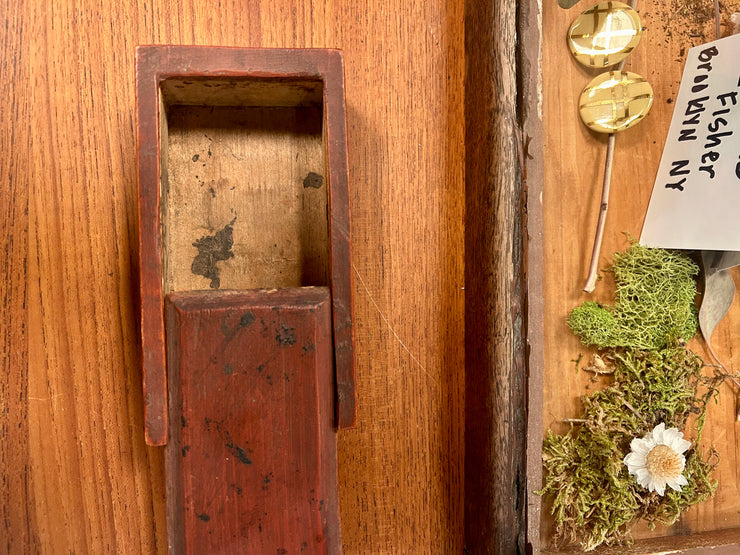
[[696, 197]]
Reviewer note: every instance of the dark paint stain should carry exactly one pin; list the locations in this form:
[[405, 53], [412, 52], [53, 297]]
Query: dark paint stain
[[304, 545], [309, 348], [183, 422], [282, 551], [213, 193], [195, 158], [213, 249], [241, 454], [285, 336], [185, 450], [247, 319], [260, 368], [203, 516], [237, 489], [313, 180], [228, 369]]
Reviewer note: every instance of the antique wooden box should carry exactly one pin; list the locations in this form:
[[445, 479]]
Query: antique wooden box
[[245, 291]]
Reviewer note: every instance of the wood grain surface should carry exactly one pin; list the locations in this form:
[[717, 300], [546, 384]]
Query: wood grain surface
[[495, 409], [77, 476], [574, 160], [251, 457]]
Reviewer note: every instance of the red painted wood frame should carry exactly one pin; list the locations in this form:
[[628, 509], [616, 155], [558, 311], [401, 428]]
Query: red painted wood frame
[[156, 64]]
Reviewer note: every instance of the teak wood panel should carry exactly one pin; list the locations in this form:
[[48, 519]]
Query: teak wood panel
[[573, 162], [77, 474]]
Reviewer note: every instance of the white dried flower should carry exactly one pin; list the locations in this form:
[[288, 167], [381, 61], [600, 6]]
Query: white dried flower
[[657, 459]]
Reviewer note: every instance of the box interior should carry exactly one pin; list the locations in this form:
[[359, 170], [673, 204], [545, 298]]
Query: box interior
[[244, 184]]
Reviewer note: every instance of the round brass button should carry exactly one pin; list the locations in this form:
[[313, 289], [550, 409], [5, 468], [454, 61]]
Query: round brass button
[[615, 101], [604, 34]]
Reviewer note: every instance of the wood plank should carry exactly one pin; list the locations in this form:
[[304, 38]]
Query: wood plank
[[495, 415], [251, 457], [17, 519], [572, 186], [93, 484]]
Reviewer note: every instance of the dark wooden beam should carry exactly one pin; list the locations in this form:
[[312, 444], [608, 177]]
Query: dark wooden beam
[[502, 130]]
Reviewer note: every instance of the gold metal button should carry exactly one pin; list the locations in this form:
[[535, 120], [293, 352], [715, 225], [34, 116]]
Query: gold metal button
[[604, 34], [615, 101]]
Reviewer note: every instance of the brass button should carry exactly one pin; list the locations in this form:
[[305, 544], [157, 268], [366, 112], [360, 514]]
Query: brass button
[[604, 34], [615, 101]]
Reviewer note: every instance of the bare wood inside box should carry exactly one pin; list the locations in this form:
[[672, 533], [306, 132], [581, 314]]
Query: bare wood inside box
[[253, 176]]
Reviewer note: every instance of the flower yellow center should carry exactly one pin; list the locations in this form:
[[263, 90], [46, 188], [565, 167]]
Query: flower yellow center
[[664, 461]]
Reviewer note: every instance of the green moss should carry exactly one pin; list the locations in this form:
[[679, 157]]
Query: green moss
[[655, 379], [594, 498], [654, 302]]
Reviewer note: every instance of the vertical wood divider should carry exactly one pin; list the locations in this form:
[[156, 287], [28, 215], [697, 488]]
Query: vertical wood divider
[[503, 160]]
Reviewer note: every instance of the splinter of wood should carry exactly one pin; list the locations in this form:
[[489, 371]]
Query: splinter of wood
[[593, 270]]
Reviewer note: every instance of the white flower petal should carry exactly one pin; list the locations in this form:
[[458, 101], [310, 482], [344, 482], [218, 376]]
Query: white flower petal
[[659, 487], [675, 484], [643, 477], [670, 435], [683, 462], [642, 446], [658, 432], [682, 481], [681, 446], [635, 460]]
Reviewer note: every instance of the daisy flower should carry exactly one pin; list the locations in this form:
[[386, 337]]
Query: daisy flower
[[657, 459]]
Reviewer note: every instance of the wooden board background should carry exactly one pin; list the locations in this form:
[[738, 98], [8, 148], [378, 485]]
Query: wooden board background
[[76, 475], [574, 160]]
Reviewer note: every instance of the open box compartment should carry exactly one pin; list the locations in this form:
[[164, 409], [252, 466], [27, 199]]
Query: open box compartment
[[241, 149]]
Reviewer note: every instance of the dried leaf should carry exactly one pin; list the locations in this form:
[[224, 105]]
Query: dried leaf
[[719, 292], [567, 3], [721, 260]]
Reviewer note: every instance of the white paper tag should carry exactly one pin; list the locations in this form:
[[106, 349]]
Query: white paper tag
[[695, 203]]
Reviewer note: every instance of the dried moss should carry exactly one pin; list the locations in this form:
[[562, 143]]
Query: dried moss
[[594, 499], [656, 379], [654, 302]]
